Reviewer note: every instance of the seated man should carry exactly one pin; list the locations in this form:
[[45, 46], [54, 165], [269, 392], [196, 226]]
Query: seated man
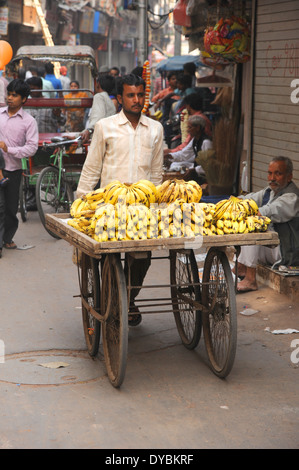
[[185, 158], [280, 202]]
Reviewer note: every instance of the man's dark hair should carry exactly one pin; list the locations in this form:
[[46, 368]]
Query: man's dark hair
[[107, 82], [185, 80], [288, 163], [190, 68], [49, 67], [131, 80], [194, 100], [171, 74], [20, 87], [40, 71], [35, 81], [138, 71], [115, 68]]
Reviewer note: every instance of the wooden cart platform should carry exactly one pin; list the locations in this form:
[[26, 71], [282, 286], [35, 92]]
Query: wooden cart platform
[[58, 224]]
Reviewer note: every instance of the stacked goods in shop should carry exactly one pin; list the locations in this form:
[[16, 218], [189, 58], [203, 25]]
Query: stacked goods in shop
[[143, 211]]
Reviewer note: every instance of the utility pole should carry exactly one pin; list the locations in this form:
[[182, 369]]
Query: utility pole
[[142, 38]]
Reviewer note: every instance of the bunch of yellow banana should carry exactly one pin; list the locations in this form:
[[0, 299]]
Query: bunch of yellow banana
[[138, 222], [142, 192], [235, 215], [180, 219], [257, 223], [170, 190], [236, 207], [88, 202], [83, 224]]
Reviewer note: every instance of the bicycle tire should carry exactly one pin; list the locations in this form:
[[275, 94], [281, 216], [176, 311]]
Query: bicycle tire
[[22, 198], [48, 200]]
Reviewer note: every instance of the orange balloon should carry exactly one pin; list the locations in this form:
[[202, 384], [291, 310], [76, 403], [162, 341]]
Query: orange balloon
[[6, 53]]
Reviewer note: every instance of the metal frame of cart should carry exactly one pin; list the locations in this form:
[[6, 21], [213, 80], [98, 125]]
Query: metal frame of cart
[[208, 304]]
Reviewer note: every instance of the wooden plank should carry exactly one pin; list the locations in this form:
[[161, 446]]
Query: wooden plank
[[273, 117], [275, 142], [57, 223], [278, 26], [282, 99], [275, 82], [278, 126], [269, 133], [273, 4], [286, 109], [290, 12], [273, 151], [288, 35]]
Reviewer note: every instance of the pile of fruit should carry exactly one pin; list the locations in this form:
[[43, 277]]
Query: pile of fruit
[[234, 215], [143, 211]]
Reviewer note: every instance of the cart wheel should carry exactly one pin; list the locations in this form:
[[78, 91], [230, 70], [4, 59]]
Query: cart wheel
[[115, 328], [220, 313], [49, 199], [183, 279], [90, 289]]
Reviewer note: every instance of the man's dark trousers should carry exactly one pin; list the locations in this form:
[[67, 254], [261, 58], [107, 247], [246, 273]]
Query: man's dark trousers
[[9, 202]]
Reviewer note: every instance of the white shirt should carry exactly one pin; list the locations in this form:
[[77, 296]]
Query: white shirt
[[120, 152], [102, 107], [186, 157]]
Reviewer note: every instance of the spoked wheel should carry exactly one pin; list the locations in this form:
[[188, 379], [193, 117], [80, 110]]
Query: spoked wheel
[[90, 291], [185, 290], [115, 328], [51, 199], [22, 198], [220, 313]]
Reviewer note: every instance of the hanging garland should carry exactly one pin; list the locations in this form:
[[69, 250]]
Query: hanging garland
[[146, 75]]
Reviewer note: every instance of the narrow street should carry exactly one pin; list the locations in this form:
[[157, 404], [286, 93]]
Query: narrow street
[[170, 399]]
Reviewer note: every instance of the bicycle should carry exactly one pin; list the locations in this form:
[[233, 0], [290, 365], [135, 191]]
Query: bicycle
[[54, 193], [27, 189]]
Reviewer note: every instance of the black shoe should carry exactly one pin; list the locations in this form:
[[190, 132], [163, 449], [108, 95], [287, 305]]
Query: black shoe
[[134, 317]]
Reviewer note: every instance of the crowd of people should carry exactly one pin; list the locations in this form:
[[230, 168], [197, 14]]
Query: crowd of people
[[128, 145]]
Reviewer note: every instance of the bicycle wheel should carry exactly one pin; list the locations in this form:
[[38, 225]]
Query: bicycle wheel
[[184, 291], [115, 328], [90, 291], [23, 190], [51, 199], [220, 316]]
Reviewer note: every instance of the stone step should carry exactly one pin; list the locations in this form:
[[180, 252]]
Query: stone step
[[282, 283]]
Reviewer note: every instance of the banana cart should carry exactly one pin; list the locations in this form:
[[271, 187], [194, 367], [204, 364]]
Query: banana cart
[[207, 304]]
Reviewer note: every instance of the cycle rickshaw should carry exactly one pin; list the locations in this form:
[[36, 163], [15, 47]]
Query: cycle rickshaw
[[81, 64]]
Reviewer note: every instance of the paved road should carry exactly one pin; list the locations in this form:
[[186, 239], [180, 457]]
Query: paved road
[[170, 399]]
